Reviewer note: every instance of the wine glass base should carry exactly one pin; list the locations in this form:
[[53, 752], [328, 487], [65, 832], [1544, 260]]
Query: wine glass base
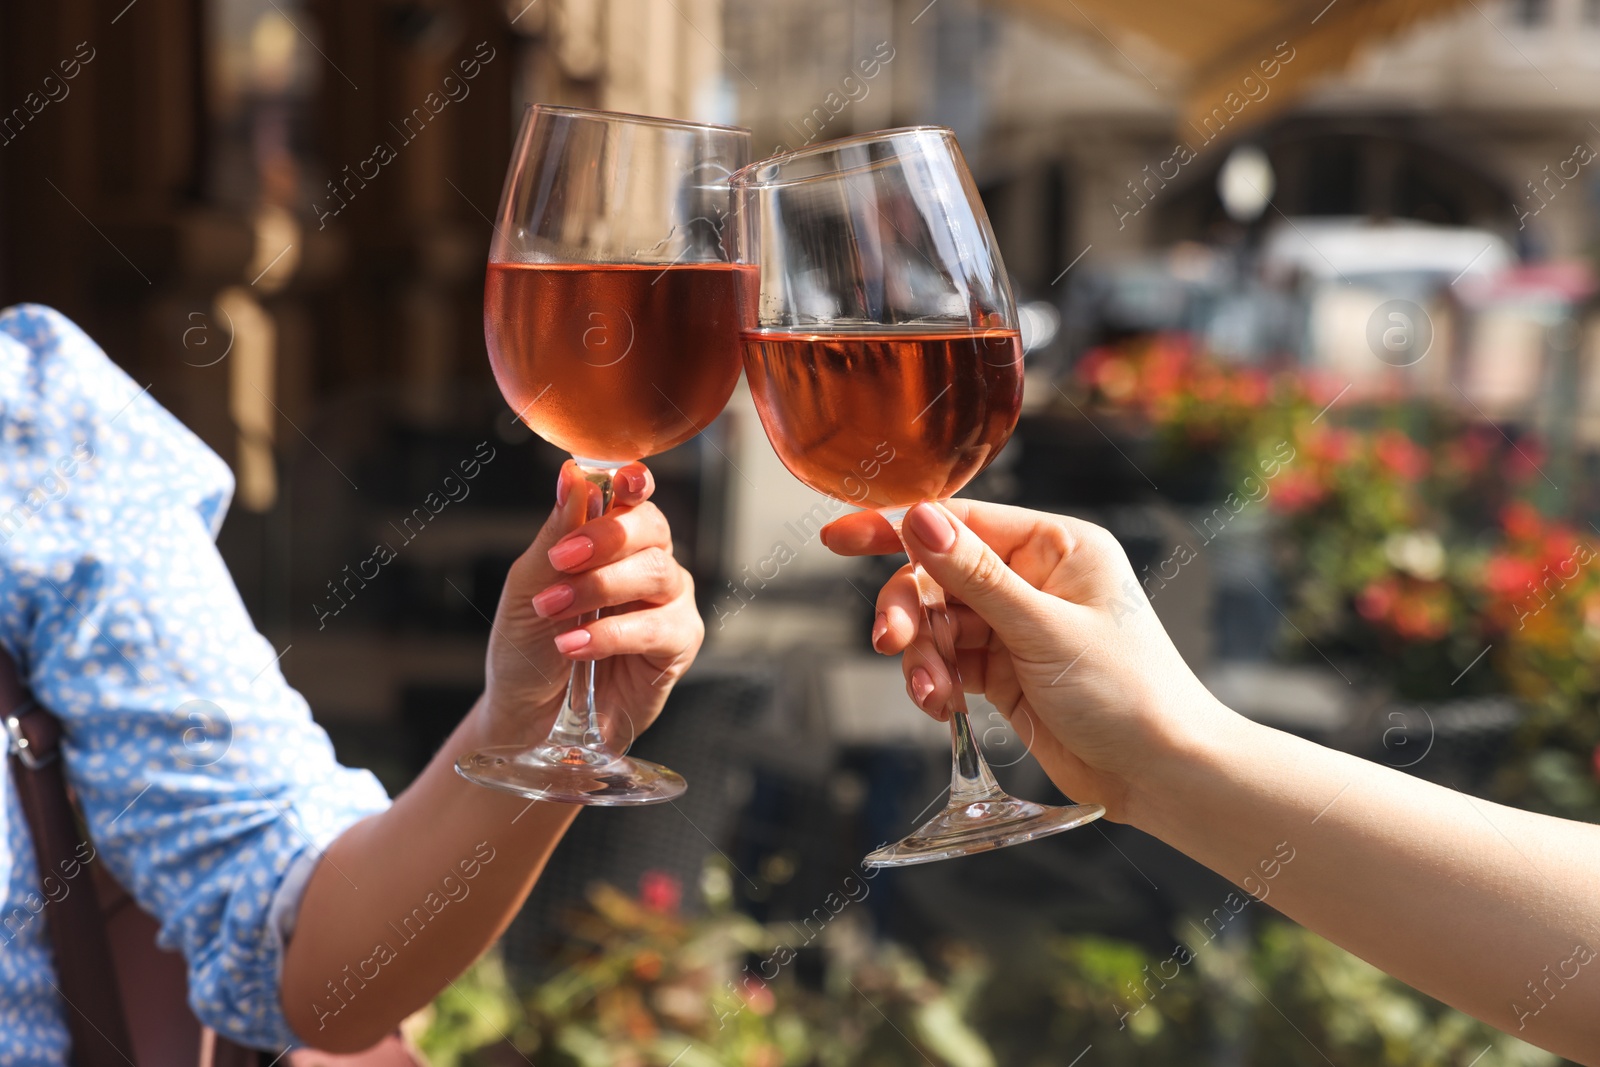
[[566, 775], [983, 825]]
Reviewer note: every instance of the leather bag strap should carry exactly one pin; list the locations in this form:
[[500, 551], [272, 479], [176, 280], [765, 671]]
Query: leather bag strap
[[88, 984]]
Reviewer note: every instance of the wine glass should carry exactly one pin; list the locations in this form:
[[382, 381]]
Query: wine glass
[[611, 323], [883, 355]]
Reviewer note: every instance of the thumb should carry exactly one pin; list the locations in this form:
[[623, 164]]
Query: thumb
[[969, 569], [574, 504]]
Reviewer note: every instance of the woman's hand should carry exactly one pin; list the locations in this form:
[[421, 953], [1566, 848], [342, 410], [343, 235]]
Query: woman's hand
[[580, 562], [1052, 627], [442, 825]]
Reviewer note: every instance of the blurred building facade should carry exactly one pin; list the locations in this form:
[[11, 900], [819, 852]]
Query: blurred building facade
[[1472, 118]]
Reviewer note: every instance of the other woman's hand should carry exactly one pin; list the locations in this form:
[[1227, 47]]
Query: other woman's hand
[[1052, 627]]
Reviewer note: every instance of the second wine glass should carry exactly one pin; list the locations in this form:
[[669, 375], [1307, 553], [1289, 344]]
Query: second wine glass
[[883, 355]]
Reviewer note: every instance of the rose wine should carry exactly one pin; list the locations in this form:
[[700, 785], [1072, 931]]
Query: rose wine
[[613, 362], [884, 418]]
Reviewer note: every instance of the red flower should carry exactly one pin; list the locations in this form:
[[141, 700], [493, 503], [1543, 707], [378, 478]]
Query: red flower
[[1117, 379], [660, 892], [1422, 614], [1508, 577], [1322, 388], [1560, 548], [1521, 521], [1377, 600], [1399, 454], [1296, 489], [1163, 372], [1250, 389], [1330, 444]]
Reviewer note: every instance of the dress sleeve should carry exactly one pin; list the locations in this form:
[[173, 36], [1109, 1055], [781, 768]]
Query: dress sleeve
[[200, 772]]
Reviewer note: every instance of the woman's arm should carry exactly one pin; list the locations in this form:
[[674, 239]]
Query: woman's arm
[[1492, 910], [403, 901]]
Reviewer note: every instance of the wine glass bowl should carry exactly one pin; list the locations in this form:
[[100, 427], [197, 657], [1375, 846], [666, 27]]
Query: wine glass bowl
[[882, 349], [932, 407], [648, 343], [610, 318]]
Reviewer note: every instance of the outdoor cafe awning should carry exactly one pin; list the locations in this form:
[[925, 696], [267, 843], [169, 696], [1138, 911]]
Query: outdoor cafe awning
[[1199, 52]]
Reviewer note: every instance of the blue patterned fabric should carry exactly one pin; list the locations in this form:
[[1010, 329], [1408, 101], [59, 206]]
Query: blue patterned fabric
[[207, 788]]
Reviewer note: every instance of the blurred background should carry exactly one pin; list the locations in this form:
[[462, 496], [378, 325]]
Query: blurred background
[[1308, 297]]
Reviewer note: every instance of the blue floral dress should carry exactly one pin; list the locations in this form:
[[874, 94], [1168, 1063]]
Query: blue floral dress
[[208, 789]]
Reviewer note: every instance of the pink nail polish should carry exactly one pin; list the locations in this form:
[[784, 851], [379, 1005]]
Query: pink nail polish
[[921, 686], [554, 599], [633, 481], [562, 491], [880, 626], [571, 641], [927, 521], [570, 552]]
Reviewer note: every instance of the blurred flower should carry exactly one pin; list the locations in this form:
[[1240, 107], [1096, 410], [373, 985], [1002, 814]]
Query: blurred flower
[[1321, 388], [1509, 577], [1416, 552], [1399, 454], [1250, 389], [647, 966], [1407, 607], [1330, 444], [1422, 613], [660, 892], [1376, 601], [758, 996], [1560, 550], [1296, 489], [1521, 521]]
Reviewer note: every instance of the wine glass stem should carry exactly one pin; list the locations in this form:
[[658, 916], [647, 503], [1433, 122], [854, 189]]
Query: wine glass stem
[[970, 777], [578, 725]]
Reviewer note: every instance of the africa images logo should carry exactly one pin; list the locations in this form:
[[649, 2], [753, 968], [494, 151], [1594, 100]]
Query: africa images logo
[[606, 335]]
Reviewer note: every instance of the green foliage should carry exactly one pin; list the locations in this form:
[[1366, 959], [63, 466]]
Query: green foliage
[[1314, 1000], [646, 987], [1282, 998], [472, 1012]]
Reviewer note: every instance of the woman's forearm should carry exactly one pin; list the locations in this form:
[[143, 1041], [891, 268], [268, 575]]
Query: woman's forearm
[[1488, 908], [405, 900]]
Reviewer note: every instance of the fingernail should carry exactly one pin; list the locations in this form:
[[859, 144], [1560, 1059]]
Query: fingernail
[[823, 534], [931, 527], [571, 551], [571, 641], [562, 492], [633, 482], [552, 600], [921, 686], [880, 626]]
